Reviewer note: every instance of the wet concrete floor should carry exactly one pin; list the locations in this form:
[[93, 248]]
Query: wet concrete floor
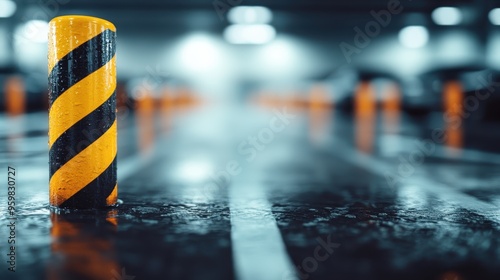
[[252, 193]]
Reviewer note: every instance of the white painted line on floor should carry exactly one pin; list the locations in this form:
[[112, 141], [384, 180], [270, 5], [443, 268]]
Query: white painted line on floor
[[441, 190], [258, 248]]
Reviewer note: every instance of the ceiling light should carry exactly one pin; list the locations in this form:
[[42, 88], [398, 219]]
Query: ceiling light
[[250, 15], [447, 16], [34, 30], [7, 8], [414, 36], [494, 16], [249, 34]]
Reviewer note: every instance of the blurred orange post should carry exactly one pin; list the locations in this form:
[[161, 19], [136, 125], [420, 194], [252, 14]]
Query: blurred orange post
[[365, 108], [145, 111], [15, 96], [145, 102], [453, 97], [318, 97]]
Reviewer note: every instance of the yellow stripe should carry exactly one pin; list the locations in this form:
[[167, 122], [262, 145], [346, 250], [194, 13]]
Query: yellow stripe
[[69, 32], [83, 168], [74, 104]]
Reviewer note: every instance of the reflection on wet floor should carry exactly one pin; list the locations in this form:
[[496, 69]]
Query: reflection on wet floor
[[365, 115], [145, 114], [213, 192], [82, 246], [320, 114], [453, 115], [391, 109]]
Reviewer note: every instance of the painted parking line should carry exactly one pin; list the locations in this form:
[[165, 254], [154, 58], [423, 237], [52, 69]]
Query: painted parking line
[[258, 248], [423, 181]]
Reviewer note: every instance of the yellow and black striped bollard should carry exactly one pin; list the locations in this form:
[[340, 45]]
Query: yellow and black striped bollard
[[82, 113]]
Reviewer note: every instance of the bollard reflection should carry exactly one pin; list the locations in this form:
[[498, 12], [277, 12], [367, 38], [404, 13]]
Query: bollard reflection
[[320, 114], [82, 246], [392, 109], [452, 98], [365, 117], [145, 117]]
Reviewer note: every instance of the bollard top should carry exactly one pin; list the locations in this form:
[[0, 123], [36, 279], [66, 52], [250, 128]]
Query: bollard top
[[79, 20], [68, 32]]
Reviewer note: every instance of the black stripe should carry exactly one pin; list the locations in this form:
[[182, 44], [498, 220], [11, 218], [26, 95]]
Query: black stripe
[[82, 134], [95, 193], [81, 62]]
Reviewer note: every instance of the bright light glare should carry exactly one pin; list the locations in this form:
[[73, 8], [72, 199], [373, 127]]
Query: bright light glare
[[281, 55], [414, 36], [249, 34], [34, 31], [250, 15], [196, 170], [30, 41], [447, 16], [199, 53], [7, 8], [494, 16]]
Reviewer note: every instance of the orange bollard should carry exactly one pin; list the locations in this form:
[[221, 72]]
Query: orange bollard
[[15, 96]]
